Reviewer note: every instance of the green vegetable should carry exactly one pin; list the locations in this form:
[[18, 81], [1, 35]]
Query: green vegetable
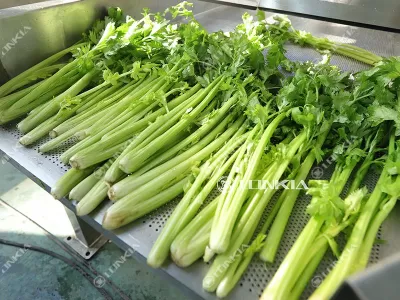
[[13, 84], [68, 181], [169, 110], [191, 242], [190, 204], [356, 253]]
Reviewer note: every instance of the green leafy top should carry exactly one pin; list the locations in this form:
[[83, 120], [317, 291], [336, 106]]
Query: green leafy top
[[353, 202], [255, 246], [325, 202]]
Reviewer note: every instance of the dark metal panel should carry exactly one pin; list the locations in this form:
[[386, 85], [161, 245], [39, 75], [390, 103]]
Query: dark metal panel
[[376, 283]]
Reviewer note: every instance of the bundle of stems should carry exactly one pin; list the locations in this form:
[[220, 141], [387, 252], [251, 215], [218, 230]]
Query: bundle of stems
[[147, 111], [279, 24], [379, 204], [252, 212], [358, 213], [277, 217], [187, 208], [118, 214], [326, 208], [40, 70]]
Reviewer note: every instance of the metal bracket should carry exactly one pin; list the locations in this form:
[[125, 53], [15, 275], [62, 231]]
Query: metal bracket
[[86, 241]]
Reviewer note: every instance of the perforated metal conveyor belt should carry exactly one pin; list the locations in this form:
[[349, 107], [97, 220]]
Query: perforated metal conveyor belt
[[142, 233]]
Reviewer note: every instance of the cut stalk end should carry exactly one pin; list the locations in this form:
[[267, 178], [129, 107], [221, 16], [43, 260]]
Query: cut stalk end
[[208, 254], [53, 134], [209, 284], [56, 193], [83, 209], [74, 162], [267, 256], [223, 288], [80, 135], [125, 165], [26, 140], [111, 193], [218, 246], [154, 261], [180, 260], [44, 148], [64, 158], [22, 127], [113, 221], [2, 120]]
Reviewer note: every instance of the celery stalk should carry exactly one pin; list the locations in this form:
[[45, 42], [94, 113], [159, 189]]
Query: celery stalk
[[34, 120], [228, 209], [9, 86], [134, 160], [190, 244], [68, 181], [79, 191]]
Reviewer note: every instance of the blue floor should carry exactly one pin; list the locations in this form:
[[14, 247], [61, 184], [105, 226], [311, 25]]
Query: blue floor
[[32, 275]]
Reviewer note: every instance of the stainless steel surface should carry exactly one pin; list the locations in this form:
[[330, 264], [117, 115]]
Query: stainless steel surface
[[376, 14], [87, 241], [141, 234], [382, 14], [250, 4], [13, 3]]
